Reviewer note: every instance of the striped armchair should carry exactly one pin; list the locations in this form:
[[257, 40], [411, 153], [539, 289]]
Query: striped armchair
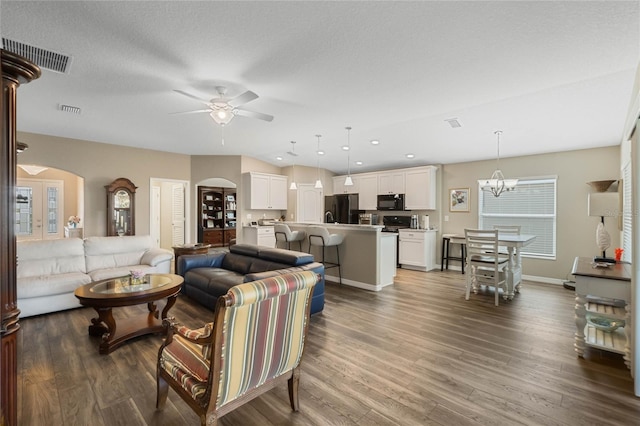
[[255, 342]]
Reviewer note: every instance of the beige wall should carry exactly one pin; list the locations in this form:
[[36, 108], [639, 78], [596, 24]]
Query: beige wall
[[575, 230], [99, 164]]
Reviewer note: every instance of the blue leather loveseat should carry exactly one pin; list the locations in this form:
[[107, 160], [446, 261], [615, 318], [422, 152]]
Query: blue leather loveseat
[[209, 276]]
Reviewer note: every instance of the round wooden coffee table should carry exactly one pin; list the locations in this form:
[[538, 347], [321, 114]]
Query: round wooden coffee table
[[107, 294]]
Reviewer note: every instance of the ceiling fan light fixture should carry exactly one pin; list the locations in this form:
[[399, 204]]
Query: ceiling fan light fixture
[[222, 116]]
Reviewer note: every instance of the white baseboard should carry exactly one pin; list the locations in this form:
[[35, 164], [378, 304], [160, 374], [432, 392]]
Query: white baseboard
[[546, 280], [358, 284]]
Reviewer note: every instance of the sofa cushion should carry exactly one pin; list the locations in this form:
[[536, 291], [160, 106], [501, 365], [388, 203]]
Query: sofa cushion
[[215, 281], [50, 257], [261, 265], [245, 249], [288, 257], [49, 285], [107, 273], [237, 263], [115, 252]]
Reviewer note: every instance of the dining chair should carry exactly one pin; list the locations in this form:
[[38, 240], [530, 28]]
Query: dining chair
[[485, 264], [255, 343]]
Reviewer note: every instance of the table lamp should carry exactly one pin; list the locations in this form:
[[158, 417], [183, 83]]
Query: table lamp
[[603, 204]]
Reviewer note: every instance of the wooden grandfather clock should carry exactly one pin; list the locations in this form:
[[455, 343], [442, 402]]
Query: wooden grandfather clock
[[16, 70]]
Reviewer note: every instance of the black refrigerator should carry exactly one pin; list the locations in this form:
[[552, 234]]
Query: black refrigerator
[[342, 208]]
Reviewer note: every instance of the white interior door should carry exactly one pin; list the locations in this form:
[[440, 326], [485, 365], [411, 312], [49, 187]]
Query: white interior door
[[39, 209], [310, 204], [177, 214]]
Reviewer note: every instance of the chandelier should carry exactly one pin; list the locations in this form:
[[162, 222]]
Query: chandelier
[[497, 183]]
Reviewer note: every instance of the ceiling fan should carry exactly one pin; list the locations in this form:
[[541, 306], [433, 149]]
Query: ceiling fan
[[223, 109]]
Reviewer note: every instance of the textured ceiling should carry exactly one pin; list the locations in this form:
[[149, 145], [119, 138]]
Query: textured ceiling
[[553, 76]]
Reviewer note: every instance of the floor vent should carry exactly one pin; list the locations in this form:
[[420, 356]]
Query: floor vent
[[46, 59]]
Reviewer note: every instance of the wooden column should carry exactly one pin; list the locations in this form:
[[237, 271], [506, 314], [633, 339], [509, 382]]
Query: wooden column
[[15, 71]]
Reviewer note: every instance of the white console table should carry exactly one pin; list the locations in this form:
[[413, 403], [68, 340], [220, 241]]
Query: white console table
[[607, 293]]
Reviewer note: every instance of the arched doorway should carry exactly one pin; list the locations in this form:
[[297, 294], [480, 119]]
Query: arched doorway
[[46, 199]]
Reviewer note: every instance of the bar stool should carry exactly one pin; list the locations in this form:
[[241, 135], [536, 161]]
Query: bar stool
[[320, 236], [447, 240], [285, 234]]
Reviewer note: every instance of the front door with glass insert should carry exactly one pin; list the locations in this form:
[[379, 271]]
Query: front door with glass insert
[[39, 209]]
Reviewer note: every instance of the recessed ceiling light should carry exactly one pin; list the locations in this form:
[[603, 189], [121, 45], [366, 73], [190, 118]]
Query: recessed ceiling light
[[279, 158], [375, 142], [320, 152], [410, 156], [345, 148], [358, 163]]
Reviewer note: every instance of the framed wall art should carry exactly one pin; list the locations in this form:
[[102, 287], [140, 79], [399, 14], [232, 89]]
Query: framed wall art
[[459, 200]]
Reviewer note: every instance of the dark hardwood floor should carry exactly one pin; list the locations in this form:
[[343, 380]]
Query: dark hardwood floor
[[415, 353]]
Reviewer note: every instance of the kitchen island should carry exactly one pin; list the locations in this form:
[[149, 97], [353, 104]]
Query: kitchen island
[[368, 256]]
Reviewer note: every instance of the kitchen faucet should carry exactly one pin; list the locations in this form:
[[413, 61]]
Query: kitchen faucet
[[328, 217]]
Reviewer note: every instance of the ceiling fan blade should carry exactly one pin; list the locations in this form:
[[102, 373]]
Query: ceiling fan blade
[[189, 95], [191, 112], [247, 96], [252, 114]]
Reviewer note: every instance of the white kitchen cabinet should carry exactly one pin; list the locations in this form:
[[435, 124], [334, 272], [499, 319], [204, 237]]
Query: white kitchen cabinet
[[339, 188], [417, 249], [420, 188], [368, 192], [391, 182], [259, 235], [265, 191]]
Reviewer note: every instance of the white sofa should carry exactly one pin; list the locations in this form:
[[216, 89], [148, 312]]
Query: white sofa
[[49, 271]]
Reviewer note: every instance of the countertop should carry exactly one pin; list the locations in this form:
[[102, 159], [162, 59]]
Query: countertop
[[353, 226]]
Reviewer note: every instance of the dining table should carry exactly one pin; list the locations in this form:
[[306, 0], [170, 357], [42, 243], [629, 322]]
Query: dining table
[[513, 243]]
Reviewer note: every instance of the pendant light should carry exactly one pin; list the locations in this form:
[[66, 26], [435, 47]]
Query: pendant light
[[293, 171], [497, 184], [318, 184], [348, 181]]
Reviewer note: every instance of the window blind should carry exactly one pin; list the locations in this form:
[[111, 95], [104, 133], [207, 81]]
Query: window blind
[[532, 206], [627, 219]]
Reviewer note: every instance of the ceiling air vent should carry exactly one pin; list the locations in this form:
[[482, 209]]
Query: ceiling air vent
[[71, 109], [453, 122], [46, 59]]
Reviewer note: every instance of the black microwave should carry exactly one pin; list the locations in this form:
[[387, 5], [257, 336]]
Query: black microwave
[[391, 202]]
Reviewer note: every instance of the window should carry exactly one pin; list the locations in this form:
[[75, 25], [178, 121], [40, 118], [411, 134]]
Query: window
[[532, 206]]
